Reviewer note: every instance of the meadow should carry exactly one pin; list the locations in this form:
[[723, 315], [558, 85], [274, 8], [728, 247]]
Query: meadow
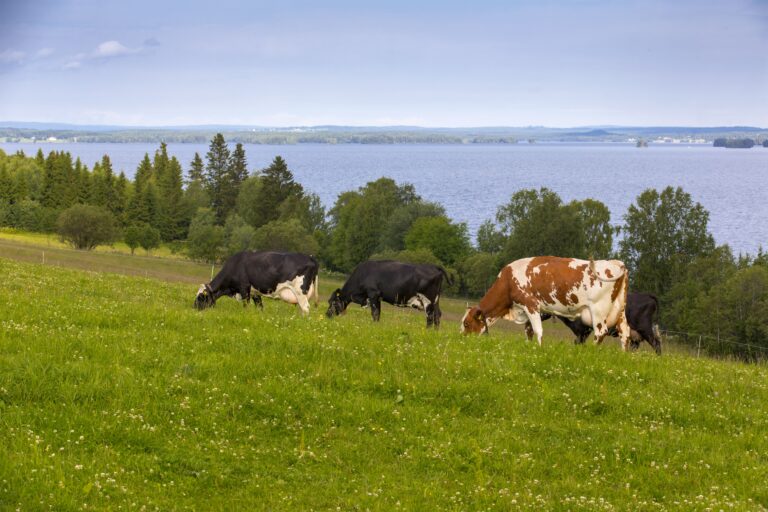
[[115, 394]]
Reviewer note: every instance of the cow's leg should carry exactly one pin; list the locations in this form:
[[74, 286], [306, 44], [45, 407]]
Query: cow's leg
[[528, 331], [599, 325], [245, 294], [257, 301], [437, 313], [623, 328], [535, 320], [430, 311], [374, 300], [656, 339], [301, 299]]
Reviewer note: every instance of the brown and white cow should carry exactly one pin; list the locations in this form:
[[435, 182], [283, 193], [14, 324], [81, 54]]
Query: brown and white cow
[[593, 291]]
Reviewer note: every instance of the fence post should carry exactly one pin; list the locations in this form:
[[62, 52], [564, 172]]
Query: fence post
[[212, 265], [698, 349], [43, 257]]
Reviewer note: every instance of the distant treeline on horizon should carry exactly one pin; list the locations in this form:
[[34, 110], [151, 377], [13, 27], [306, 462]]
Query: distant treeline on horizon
[[27, 132]]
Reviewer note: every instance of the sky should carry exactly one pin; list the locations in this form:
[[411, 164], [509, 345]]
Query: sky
[[426, 63]]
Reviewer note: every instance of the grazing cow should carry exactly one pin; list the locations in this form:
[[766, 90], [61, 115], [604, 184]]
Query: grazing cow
[[641, 312], [289, 276], [594, 291], [399, 284]]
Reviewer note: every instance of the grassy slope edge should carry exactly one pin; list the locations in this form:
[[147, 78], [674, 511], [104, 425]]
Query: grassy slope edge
[[115, 393]]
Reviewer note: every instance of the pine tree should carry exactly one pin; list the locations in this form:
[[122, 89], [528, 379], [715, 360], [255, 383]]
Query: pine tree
[[53, 181], [143, 172], [277, 185], [171, 214], [237, 173], [161, 161], [216, 175], [121, 196], [83, 182], [196, 170]]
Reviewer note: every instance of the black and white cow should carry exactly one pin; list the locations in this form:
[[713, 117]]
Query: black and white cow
[[394, 282], [641, 312], [289, 276]]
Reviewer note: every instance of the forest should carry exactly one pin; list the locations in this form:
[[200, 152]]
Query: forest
[[217, 206]]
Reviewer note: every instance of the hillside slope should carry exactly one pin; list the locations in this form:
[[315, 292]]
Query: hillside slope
[[116, 393]]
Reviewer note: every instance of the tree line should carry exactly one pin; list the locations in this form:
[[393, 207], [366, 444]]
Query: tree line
[[218, 208]]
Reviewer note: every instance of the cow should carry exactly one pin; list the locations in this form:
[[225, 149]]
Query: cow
[[641, 312], [247, 275], [400, 284], [594, 291]]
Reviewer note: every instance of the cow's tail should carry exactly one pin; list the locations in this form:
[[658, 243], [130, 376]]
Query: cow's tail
[[604, 278], [447, 276], [315, 280]]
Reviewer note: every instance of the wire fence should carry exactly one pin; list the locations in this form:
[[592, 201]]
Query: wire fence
[[716, 346]]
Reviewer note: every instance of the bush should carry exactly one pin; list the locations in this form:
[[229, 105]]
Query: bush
[[131, 236], [85, 226], [149, 238], [448, 241], [285, 235], [478, 272], [205, 239]]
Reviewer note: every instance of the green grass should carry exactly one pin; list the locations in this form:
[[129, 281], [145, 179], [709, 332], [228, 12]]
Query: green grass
[[116, 394]]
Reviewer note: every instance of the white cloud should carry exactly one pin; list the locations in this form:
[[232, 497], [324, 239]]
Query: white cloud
[[73, 64], [44, 52], [12, 56], [112, 49]]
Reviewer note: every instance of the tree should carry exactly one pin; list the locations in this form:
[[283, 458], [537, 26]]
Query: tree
[[663, 233], [170, 201], [393, 233], [285, 235], [196, 194], [539, 224], [205, 238], [86, 226], [132, 236], [216, 176], [478, 272], [596, 223], [357, 217], [448, 241], [150, 238], [489, 239], [238, 235], [247, 197], [277, 185]]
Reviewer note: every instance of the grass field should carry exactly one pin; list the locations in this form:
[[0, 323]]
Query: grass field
[[116, 394]]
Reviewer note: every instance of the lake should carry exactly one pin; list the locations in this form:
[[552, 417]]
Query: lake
[[471, 181]]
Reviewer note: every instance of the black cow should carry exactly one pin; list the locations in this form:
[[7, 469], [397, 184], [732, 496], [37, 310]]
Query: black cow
[[289, 276], [641, 312], [399, 284]]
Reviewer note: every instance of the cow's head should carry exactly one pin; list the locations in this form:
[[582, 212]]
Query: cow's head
[[336, 304], [474, 321], [204, 298]]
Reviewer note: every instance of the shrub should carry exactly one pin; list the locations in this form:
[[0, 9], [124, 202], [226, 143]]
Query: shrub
[[86, 226], [131, 236], [149, 238]]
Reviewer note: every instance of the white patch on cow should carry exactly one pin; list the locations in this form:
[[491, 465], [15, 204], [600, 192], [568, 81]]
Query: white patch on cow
[[419, 301], [461, 325], [201, 289], [290, 292], [518, 271]]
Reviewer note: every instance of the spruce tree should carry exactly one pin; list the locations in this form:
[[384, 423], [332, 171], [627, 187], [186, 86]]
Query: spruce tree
[[196, 170], [277, 185], [216, 175], [171, 217]]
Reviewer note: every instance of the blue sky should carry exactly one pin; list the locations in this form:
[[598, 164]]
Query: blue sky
[[446, 63]]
